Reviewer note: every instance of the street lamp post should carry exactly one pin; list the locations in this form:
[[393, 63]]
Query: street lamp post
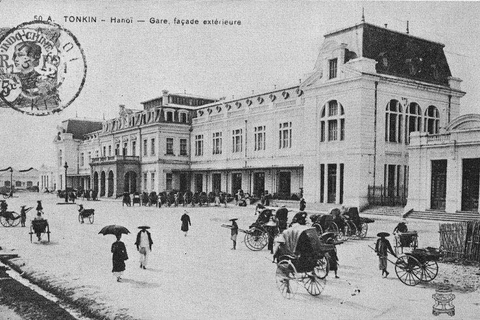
[[11, 182], [66, 193]]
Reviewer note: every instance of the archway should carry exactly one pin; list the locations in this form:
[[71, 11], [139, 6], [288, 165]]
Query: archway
[[102, 184], [110, 183], [95, 181], [130, 182]]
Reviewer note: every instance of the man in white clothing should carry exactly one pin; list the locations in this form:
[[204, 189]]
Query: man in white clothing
[[144, 245]]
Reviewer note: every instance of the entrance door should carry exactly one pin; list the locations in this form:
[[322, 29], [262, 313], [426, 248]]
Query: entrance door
[[258, 183], [183, 182], [470, 181], [284, 187], [198, 182], [439, 184], [236, 182], [216, 182], [332, 183]]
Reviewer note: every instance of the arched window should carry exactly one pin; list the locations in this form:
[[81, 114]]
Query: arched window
[[393, 122], [332, 123], [432, 120], [413, 120]]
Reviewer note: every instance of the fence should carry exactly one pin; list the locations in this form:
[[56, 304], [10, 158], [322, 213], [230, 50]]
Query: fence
[[385, 196], [461, 240]]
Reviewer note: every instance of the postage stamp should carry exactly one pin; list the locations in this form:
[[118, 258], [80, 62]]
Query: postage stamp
[[42, 68]]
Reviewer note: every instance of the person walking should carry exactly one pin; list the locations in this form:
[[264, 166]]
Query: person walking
[[381, 248], [144, 245], [119, 256], [185, 222]]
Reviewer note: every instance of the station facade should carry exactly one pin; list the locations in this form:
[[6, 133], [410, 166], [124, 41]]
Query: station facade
[[341, 136]]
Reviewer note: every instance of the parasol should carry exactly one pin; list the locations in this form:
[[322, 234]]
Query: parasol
[[383, 234], [114, 229], [144, 227]]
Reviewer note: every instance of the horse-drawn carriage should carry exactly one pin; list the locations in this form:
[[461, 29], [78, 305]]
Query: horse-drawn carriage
[[302, 258], [38, 227]]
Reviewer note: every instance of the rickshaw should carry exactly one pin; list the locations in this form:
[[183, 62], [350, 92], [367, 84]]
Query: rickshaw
[[418, 266], [326, 223], [404, 238], [9, 218], [257, 236], [86, 214], [357, 226], [38, 227], [302, 258]]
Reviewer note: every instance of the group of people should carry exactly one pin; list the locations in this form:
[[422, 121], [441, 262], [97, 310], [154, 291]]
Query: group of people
[[143, 243], [174, 198]]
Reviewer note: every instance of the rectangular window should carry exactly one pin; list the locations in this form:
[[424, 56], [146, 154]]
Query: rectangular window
[[152, 180], [237, 140], [259, 137], [152, 147], [82, 159], [145, 147], [183, 147], [104, 151], [168, 181], [117, 149], [332, 68], [285, 135], [199, 145], [169, 145], [134, 148], [332, 130], [217, 143], [145, 176], [109, 150], [124, 151]]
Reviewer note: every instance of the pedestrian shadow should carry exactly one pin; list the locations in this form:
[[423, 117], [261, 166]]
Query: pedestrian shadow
[[141, 284], [154, 270], [46, 243]]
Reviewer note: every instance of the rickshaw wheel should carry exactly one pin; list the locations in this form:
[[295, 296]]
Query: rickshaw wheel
[[322, 268], [352, 229], [313, 284], [91, 218], [430, 270], [362, 233], [4, 221], [319, 229], [256, 239], [285, 277], [16, 221], [409, 270], [343, 235]]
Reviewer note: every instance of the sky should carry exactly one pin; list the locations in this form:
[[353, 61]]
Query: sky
[[276, 44]]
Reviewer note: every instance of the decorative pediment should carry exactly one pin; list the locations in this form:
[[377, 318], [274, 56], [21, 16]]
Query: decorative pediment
[[465, 122]]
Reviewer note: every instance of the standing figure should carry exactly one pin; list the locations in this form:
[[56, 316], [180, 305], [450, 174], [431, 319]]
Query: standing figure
[[282, 217], [39, 207], [119, 256], [3, 205], [23, 215], [36, 229], [144, 245], [333, 257], [234, 232], [303, 204], [185, 222], [381, 248]]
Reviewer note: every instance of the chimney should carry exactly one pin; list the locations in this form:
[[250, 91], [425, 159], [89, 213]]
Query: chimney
[[164, 97], [386, 25]]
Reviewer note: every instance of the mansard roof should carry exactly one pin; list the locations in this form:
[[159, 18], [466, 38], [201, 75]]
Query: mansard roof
[[400, 54], [80, 127]]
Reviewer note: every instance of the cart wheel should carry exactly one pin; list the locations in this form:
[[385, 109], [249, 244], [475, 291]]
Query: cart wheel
[[256, 239], [91, 218], [4, 222], [332, 227], [322, 268], [313, 284], [343, 235], [362, 233], [285, 277], [15, 221], [318, 227], [352, 232], [430, 270], [408, 270]]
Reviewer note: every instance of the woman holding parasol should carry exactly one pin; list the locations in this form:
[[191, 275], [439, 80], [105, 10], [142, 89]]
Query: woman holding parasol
[[118, 249]]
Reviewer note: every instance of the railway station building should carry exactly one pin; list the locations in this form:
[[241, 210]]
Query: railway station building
[[341, 136]]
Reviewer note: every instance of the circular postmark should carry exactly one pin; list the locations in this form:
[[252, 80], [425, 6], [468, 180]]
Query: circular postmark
[[42, 68]]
